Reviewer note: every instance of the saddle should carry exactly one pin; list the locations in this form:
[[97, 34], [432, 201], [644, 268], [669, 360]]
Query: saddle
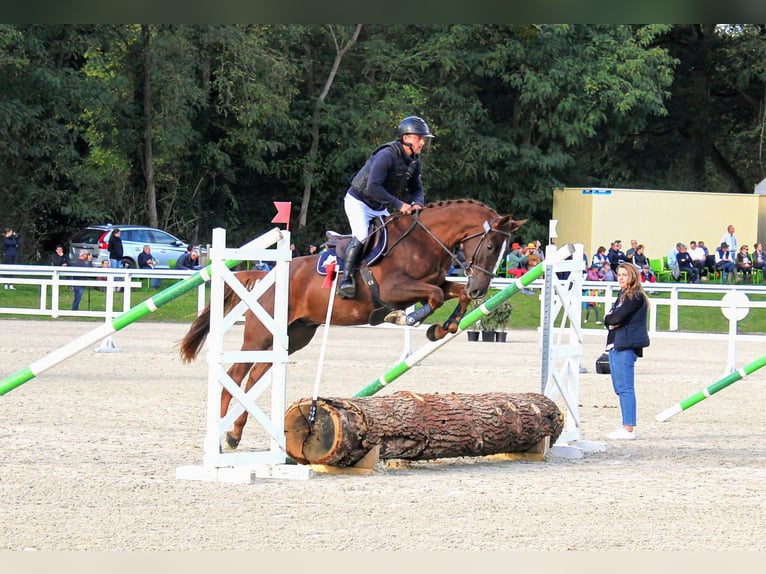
[[372, 251]]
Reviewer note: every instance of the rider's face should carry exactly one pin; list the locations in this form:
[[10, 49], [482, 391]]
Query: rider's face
[[416, 141]]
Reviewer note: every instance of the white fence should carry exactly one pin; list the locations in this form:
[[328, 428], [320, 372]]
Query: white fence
[[49, 279]]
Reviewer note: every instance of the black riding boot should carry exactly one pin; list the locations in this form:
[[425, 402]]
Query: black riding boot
[[347, 288]]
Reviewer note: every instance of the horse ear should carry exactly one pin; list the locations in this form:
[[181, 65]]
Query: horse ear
[[505, 220]]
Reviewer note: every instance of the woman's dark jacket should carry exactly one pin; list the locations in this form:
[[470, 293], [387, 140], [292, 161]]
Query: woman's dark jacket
[[628, 317]]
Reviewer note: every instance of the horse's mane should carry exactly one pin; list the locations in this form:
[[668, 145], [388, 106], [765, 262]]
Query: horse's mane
[[448, 202]]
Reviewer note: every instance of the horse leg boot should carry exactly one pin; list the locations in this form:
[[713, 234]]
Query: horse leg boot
[[347, 287]]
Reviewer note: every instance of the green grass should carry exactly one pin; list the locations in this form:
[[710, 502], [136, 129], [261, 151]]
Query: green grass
[[525, 315], [181, 310]]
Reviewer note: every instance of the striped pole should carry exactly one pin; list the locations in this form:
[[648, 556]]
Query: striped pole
[[469, 319], [712, 389], [121, 321]]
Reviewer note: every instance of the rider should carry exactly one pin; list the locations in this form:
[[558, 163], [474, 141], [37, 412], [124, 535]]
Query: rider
[[377, 186]]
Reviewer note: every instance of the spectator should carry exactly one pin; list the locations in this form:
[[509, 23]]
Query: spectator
[[710, 257], [630, 252], [759, 258], [672, 256], [599, 258], [615, 254], [730, 239], [723, 262], [684, 262], [11, 247], [59, 258], [594, 274], [84, 259], [189, 260], [533, 257], [312, 249], [516, 261], [699, 258], [744, 264], [147, 261], [639, 259], [647, 275], [608, 273], [104, 265], [115, 249], [294, 251]]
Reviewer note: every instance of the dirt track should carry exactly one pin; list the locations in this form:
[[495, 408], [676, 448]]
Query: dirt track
[[90, 449]]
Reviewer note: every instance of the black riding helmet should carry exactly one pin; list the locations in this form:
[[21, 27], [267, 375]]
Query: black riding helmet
[[413, 125]]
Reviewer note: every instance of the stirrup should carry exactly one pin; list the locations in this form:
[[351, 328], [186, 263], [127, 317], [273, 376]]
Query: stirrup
[[347, 289]]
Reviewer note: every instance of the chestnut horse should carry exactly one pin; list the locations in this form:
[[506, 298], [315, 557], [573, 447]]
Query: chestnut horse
[[413, 270]]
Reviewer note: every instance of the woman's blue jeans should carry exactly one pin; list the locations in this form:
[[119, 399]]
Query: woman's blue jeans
[[621, 365]]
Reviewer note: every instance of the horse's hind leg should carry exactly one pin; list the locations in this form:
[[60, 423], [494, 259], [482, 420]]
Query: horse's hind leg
[[237, 373]]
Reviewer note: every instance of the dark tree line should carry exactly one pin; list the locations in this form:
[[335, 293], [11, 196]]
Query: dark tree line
[[189, 127]]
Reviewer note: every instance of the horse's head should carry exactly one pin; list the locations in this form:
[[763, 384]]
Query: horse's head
[[484, 251]]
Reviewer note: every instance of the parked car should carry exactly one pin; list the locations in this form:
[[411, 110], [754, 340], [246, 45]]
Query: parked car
[[166, 248]]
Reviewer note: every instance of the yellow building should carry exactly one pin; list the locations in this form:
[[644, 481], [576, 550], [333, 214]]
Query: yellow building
[[657, 218]]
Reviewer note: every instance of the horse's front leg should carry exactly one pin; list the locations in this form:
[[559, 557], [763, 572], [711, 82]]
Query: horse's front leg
[[452, 323], [416, 291]]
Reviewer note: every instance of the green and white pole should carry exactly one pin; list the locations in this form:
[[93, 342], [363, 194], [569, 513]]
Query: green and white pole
[[121, 321], [469, 319], [712, 389]]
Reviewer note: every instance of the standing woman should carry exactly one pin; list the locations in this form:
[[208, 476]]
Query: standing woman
[[625, 342]]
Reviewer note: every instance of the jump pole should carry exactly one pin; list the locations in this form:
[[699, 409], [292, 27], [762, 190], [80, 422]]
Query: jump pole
[[711, 390], [469, 319], [123, 320]]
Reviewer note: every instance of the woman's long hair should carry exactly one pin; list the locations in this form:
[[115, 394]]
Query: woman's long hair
[[633, 288]]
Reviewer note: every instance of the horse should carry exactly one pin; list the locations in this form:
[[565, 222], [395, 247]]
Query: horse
[[413, 269]]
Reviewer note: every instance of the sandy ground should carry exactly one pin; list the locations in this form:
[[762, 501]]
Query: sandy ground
[[90, 450]]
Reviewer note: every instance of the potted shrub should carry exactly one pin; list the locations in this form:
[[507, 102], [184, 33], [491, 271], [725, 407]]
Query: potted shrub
[[499, 320]]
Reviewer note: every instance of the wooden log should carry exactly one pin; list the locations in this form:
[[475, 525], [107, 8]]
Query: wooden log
[[409, 426]]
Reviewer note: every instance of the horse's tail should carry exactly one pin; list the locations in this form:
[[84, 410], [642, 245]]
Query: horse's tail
[[192, 342]]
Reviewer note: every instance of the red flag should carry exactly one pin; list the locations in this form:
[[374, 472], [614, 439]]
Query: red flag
[[330, 268], [283, 213]]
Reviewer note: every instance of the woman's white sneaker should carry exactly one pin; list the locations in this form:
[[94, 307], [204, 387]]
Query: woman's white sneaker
[[622, 434]]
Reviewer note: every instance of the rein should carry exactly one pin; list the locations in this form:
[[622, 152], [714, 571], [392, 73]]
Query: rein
[[467, 269]]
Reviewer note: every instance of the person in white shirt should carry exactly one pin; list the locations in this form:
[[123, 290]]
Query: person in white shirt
[[730, 239], [699, 258]]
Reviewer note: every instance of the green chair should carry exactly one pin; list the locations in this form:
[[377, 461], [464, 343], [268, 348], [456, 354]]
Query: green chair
[[656, 265]]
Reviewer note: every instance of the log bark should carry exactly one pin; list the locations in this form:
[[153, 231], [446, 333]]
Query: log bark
[[419, 427]]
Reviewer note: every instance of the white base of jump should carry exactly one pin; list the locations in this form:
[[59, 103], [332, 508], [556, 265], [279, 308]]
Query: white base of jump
[[576, 449], [244, 474], [107, 346]]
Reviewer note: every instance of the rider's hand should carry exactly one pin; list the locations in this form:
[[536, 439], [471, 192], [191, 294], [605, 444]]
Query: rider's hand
[[406, 208]]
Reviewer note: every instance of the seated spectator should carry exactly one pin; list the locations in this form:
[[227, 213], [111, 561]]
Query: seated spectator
[[458, 263], [639, 259], [744, 264], [593, 274], [516, 261], [312, 249], [672, 255], [59, 258], [759, 258], [684, 262], [723, 262], [147, 261], [615, 254], [189, 260], [647, 275], [699, 257], [631, 252], [599, 258], [609, 275], [533, 257]]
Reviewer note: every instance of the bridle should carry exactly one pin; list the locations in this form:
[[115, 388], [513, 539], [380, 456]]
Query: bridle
[[470, 266]]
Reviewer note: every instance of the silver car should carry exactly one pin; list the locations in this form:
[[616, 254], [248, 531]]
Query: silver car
[[166, 248]]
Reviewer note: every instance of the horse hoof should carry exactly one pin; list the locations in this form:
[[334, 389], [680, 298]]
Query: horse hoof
[[231, 442], [431, 333], [396, 317]]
